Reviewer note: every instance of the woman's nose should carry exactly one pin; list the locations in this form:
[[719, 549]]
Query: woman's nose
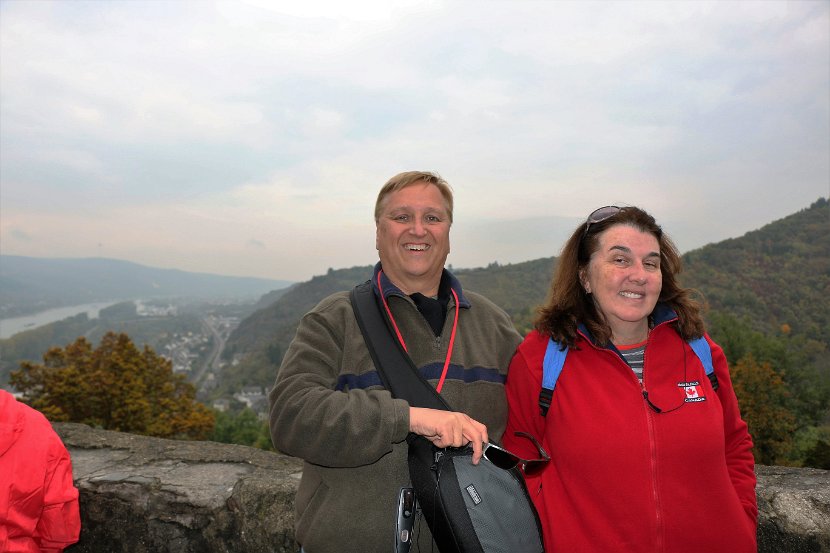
[[638, 274]]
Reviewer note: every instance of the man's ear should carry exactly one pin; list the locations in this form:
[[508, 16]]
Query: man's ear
[[377, 237]]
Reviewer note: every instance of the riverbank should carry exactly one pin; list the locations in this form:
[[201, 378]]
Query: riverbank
[[13, 325]]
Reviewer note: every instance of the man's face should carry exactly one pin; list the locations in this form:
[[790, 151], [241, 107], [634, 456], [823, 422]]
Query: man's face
[[413, 238]]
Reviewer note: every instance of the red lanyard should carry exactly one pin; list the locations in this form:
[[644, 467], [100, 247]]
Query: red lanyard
[[400, 337]]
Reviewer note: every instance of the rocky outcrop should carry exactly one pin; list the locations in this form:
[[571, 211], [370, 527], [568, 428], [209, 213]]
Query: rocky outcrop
[[149, 495], [142, 495], [793, 509]]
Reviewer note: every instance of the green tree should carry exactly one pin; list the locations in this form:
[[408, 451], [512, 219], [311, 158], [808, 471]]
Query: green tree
[[243, 428], [819, 456], [115, 386], [802, 365]]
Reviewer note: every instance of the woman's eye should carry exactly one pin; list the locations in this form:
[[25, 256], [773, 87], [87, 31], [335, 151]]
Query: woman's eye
[[433, 219], [402, 217]]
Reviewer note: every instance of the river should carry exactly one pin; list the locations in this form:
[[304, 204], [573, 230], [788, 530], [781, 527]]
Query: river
[[11, 326]]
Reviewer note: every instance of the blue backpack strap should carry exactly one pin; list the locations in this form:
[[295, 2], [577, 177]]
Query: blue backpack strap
[[551, 369], [701, 348]]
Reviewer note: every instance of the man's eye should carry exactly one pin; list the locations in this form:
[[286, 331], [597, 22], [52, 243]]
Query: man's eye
[[401, 217], [433, 219]]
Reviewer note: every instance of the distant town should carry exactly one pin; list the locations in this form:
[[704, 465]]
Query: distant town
[[194, 346], [198, 355]]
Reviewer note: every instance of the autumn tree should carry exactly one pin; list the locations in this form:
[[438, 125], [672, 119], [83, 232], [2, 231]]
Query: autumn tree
[[802, 366], [115, 386], [763, 396]]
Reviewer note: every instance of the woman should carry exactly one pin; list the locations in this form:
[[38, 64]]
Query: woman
[[646, 455]]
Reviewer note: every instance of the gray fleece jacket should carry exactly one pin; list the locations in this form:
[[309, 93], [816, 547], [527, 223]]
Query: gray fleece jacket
[[329, 408]]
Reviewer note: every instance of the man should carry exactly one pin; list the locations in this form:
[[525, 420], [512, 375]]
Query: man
[[329, 407]]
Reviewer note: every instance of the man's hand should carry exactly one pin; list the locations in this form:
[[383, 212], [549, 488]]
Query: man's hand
[[448, 429]]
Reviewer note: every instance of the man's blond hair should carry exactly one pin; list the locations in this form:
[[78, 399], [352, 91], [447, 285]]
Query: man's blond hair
[[408, 178]]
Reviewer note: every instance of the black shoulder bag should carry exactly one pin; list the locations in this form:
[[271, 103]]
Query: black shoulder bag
[[469, 508]]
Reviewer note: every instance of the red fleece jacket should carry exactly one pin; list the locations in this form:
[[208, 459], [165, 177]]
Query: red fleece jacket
[[38, 502], [623, 477]]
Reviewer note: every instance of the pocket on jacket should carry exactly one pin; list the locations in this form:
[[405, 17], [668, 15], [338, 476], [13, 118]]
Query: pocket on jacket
[[311, 495]]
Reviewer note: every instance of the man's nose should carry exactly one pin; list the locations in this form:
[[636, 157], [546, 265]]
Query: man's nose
[[418, 227]]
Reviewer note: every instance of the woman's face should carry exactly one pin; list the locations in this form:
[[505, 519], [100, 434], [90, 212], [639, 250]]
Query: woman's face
[[624, 279]]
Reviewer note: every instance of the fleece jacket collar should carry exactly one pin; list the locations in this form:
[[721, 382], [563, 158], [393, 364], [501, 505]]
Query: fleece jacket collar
[[661, 314], [390, 289]]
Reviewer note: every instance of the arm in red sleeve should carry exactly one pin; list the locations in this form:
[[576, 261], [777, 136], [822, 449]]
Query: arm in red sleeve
[[60, 523], [524, 382], [739, 459]]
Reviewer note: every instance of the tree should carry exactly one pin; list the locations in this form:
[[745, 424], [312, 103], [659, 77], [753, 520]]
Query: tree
[[804, 369], [763, 397], [274, 354], [819, 456], [243, 428], [116, 387]]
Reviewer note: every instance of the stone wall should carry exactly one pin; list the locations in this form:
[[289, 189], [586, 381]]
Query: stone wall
[[143, 495]]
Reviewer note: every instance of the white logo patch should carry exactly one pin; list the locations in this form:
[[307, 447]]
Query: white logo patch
[[693, 391], [473, 494]]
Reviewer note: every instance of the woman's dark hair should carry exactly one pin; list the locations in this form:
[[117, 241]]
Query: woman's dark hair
[[568, 304]]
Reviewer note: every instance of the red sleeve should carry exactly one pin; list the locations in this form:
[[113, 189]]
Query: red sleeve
[[524, 382], [739, 459], [60, 521]]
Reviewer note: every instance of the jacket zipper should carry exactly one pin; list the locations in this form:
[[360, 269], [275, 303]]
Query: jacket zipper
[[650, 409], [658, 519]]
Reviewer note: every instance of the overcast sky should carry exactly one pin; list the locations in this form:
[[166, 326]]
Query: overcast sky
[[251, 138]]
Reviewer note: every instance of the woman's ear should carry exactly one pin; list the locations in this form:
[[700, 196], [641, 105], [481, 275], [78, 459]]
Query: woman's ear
[[583, 280]]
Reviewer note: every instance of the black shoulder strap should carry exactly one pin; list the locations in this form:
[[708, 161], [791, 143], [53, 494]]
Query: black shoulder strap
[[396, 369]]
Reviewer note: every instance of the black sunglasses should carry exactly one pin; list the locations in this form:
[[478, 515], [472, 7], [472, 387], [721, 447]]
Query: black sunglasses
[[506, 460]]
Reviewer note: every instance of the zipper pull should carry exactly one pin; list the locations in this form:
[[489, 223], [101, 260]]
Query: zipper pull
[[435, 460], [650, 404]]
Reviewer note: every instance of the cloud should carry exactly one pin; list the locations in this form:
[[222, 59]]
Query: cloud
[[179, 131], [19, 235]]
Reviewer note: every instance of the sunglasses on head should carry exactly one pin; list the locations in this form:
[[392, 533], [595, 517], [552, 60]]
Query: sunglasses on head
[[506, 460], [600, 215]]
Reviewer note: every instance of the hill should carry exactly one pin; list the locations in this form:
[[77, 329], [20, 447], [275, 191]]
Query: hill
[[516, 288], [779, 274], [30, 284], [775, 275]]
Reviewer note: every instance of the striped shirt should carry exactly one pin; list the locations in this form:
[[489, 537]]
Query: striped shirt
[[634, 356]]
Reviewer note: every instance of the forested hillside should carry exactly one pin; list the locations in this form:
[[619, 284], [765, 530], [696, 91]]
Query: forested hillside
[[260, 340], [768, 300], [777, 275]]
